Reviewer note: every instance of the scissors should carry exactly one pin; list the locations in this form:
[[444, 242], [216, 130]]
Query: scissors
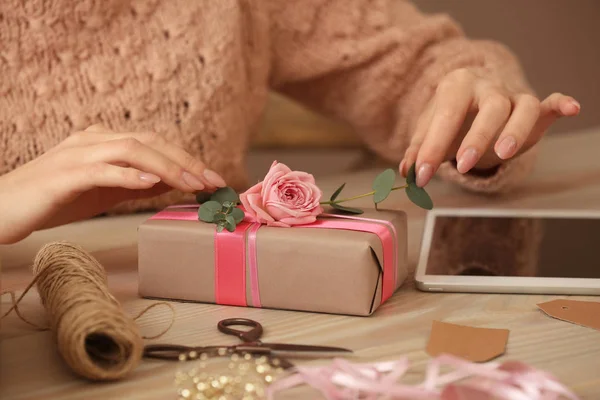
[[250, 344]]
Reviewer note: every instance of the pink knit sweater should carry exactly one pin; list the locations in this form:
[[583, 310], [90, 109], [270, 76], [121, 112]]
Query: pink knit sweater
[[199, 72]]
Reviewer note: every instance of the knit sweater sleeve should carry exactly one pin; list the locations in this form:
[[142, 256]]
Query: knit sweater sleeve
[[376, 64]]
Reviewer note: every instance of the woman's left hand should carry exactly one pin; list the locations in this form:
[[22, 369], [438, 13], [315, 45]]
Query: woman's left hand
[[504, 124]]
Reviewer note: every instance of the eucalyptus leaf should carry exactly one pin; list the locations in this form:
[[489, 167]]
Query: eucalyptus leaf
[[219, 217], [238, 215], [349, 210], [411, 176], [228, 204], [419, 196], [207, 211], [202, 197], [220, 227], [383, 184], [337, 192], [224, 194], [230, 223]]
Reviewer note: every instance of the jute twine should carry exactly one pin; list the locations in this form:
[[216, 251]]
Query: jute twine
[[94, 336]]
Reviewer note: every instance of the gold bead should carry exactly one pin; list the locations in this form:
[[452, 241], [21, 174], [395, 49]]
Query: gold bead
[[247, 356], [203, 356], [215, 383], [235, 357], [276, 362], [185, 393], [193, 354], [182, 357], [249, 387], [268, 378], [222, 351]]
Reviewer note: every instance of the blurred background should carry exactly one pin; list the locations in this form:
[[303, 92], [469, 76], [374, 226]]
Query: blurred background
[[557, 41]]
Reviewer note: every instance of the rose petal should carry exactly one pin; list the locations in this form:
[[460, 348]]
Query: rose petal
[[303, 176], [278, 224], [261, 215], [279, 210], [254, 190], [276, 172], [269, 191]]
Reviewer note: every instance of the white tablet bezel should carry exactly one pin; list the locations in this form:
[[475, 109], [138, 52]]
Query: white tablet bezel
[[495, 284]]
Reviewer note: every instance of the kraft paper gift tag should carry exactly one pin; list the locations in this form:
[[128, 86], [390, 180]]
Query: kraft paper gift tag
[[472, 344], [583, 313]]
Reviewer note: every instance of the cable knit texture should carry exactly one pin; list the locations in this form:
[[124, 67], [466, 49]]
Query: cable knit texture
[[199, 73]]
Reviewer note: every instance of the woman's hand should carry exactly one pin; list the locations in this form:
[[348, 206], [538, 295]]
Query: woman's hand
[[505, 123], [89, 173]]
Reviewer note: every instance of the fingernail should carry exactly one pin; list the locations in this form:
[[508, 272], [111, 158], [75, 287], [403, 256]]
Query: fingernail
[[214, 178], [424, 174], [467, 160], [192, 181], [401, 168], [506, 147], [576, 104], [146, 177]]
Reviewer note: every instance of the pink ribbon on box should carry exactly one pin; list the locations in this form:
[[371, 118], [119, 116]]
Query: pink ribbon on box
[[234, 251]]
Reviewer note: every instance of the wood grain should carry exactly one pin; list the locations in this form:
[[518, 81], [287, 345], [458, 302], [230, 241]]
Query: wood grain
[[568, 176]]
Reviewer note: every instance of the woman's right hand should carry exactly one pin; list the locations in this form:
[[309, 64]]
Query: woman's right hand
[[91, 172]]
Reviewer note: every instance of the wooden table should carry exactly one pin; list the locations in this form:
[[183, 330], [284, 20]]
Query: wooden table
[[568, 176]]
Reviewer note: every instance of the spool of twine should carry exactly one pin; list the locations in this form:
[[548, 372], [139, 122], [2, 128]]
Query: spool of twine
[[93, 334]]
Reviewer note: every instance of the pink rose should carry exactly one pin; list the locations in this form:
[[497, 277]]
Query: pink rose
[[284, 198]]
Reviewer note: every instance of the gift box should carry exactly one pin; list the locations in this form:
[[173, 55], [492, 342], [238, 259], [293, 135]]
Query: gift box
[[340, 264]]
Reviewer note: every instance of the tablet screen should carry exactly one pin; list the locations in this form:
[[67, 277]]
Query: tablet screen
[[515, 246]]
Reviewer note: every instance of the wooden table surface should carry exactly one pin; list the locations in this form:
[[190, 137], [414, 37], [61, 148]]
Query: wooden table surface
[[567, 176]]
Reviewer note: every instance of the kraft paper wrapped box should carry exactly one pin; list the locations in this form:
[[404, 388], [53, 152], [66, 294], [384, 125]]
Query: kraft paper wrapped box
[[339, 265]]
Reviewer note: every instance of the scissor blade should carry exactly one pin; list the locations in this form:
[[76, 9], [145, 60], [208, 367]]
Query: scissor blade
[[305, 348]]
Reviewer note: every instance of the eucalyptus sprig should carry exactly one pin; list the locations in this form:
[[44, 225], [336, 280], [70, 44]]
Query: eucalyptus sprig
[[221, 208], [382, 186]]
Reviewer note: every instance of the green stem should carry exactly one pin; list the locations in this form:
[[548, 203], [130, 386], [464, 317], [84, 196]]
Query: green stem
[[359, 196]]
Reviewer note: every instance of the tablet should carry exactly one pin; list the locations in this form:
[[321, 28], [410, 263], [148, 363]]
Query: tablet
[[510, 251]]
